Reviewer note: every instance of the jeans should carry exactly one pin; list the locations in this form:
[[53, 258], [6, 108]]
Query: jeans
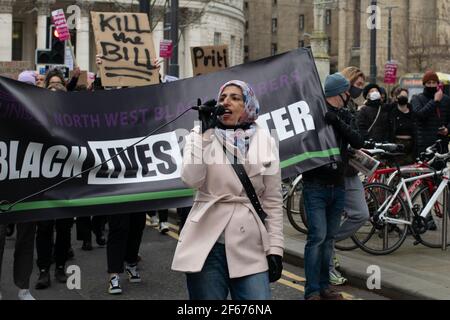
[[214, 283], [356, 210], [323, 205]]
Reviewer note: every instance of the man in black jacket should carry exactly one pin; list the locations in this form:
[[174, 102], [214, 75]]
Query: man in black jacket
[[324, 194], [432, 111]]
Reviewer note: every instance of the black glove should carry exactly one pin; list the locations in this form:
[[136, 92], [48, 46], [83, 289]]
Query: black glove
[[331, 118], [275, 267], [208, 118]]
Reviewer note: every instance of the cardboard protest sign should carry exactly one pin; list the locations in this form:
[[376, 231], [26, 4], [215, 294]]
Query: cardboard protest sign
[[208, 59], [126, 44], [82, 79], [12, 69]]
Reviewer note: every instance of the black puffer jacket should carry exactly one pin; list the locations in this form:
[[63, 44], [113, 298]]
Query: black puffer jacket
[[333, 174], [380, 131], [430, 115]]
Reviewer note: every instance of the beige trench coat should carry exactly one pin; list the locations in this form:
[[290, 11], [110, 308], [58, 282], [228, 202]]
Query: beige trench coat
[[221, 205]]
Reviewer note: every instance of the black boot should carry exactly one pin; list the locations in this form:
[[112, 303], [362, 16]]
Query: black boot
[[60, 274], [44, 280]]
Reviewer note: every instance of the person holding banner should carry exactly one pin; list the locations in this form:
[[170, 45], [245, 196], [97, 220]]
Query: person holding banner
[[324, 194], [26, 231], [226, 245], [356, 210]]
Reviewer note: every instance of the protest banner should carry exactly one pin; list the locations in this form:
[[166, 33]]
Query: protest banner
[[209, 59], [12, 69], [48, 136], [126, 44]]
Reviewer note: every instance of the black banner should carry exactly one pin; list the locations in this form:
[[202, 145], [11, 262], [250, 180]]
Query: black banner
[[48, 136]]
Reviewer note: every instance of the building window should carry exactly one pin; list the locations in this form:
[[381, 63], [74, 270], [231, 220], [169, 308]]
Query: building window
[[246, 4], [274, 49], [328, 17], [329, 45], [274, 25], [246, 25], [217, 38], [246, 54], [301, 22], [232, 49], [301, 44], [17, 40], [274, 2]]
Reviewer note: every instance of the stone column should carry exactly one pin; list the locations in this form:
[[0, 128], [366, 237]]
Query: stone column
[[6, 27], [83, 42], [43, 7], [319, 40]]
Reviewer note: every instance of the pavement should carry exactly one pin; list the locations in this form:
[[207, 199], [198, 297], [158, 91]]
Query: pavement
[[411, 272]]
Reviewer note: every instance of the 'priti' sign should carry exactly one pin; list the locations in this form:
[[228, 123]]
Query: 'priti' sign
[[209, 59]]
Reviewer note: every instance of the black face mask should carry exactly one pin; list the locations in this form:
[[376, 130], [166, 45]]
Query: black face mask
[[430, 91], [355, 92], [402, 100]]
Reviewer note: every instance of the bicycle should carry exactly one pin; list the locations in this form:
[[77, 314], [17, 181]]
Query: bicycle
[[392, 218], [295, 206]]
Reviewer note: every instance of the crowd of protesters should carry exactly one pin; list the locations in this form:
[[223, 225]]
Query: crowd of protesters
[[224, 253]]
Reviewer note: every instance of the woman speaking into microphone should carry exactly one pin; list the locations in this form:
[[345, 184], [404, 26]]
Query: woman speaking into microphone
[[232, 242]]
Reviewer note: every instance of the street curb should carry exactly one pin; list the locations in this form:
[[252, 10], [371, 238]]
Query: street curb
[[358, 279]]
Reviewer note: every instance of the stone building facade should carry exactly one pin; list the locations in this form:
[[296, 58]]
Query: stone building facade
[[420, 32], [24, 27]]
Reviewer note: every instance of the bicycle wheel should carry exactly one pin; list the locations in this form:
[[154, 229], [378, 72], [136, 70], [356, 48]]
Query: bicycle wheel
[[295, 207], [381, 238], [433, 236]]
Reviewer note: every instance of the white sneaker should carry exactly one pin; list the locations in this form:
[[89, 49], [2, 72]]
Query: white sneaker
[[163, 227], [153, 221], [114, 285], [24, 294], [133, 274]]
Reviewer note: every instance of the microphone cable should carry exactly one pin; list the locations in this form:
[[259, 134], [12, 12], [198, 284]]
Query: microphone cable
[[5, 202]]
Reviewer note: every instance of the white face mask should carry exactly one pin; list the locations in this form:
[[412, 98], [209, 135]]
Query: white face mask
[[375, 95]]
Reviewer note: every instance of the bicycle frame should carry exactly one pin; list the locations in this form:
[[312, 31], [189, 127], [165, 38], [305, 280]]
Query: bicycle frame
[[402, 186]]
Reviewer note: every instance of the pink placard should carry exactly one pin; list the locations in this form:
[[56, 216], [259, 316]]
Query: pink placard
[[390, 73], [59, 20], [165, 48]]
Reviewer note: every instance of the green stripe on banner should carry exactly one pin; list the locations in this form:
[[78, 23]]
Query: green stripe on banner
[[49, 204], [309, 155]]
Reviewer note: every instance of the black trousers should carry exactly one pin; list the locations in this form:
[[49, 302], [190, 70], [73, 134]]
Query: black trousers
[[45, 245], [87, 225], [182, 215], [23, 252], [124, 239]]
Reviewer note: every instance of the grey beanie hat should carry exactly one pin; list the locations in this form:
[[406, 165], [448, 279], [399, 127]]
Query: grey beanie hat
[[335, 84]]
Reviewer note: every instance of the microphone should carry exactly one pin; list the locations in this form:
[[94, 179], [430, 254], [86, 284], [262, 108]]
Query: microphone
[[218, 109]]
